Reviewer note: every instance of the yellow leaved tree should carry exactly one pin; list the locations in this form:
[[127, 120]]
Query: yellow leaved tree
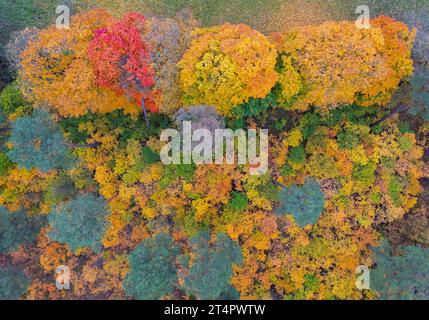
[[226, 66]]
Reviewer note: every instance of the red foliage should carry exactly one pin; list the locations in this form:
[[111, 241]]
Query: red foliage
[[121, 60]]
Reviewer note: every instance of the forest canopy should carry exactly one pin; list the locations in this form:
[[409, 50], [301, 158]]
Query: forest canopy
[[82, 183]]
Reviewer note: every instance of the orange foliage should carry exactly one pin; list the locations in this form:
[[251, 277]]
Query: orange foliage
[[56, 70], [341, 64]]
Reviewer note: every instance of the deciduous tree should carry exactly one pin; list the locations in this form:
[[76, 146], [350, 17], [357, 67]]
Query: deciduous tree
[[304, 202], [121, 60], [226, 66], [56, 71], [336, 63]]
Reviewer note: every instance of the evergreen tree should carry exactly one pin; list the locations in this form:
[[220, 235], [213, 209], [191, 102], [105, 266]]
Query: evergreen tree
[[79, 222], [153, 273], [38, 143], [17, 228], [13, 283], [304, 202], [403, 277], [211, 266]]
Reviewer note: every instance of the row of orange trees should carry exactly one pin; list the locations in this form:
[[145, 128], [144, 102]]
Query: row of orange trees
[[103, 63]]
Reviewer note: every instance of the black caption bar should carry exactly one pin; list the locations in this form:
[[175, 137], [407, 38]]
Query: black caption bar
[[164, 310]]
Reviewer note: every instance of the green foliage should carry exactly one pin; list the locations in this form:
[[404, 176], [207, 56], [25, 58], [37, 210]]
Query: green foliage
[[353, 114], [276, 119], [347, 139], [38, 143], [254, 107], [405, 143], [304, 202], [308, 124], [149, 156], [404, 127], [211, 269], [297, 155], [17, 228], [191, 226], [376, 197], [61, 189], [263, 111], [130, 128], [12, 101], [137, 129], [311, 285], [403, 277], [311, 282], [71, 125], [268, 191], [5, 164], [388, 162], [13, 283], [153, 273], [395, 189], [177, 171], [287, 170], [238, 202], [80, 222], [364, 175], [317, 140]]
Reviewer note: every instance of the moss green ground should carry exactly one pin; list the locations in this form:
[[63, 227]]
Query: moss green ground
[[263, 15]]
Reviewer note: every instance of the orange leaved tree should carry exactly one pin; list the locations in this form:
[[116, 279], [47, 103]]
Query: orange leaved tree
[[336, 63], [57, 73]]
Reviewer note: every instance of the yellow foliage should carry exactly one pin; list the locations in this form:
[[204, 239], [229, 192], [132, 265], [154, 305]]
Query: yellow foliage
[[151, 174], [149, 213], [358, 155], [203, 209], [294, 138], [117, 265], [226, 66], [289, 79], [22, 189]]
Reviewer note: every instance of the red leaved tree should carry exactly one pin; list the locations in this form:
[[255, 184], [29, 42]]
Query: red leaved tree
[[121, 61]]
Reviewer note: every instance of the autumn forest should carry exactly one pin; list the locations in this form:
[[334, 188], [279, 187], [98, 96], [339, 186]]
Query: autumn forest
[[88, 209]]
